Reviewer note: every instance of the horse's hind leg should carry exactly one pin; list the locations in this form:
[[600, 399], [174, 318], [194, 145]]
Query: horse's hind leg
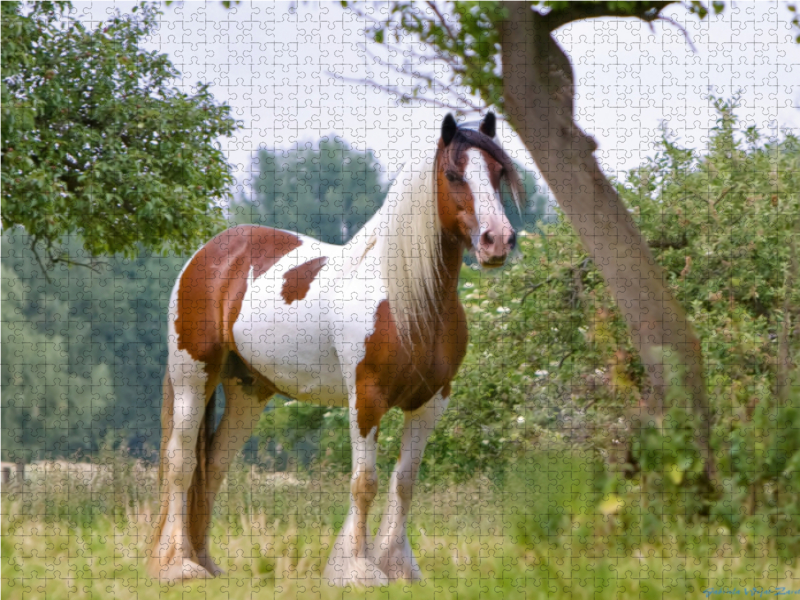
[[393, 552], [245, 399], [173, 556]]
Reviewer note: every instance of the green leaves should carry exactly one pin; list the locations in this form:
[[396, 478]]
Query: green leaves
[[96, 142], [104, 328], [49, 404]]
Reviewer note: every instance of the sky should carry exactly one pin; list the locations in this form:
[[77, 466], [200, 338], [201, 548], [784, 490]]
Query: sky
[[273, 63]]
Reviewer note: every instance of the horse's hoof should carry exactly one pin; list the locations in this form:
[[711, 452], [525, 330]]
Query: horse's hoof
[[183, 571], [404, 573], [400, 568], [397, 559], [209, 565], [360, 572]]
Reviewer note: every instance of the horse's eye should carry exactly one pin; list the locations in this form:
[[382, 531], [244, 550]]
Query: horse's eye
[[452, 177]]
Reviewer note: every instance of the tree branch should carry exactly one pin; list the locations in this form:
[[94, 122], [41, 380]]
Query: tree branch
[[681, 29], [662, 244], [534, 288], [449, 31], [34, 242], [646, 11], [409, 97]]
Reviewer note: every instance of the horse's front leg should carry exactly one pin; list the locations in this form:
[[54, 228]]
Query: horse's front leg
[[350, 561], [393, 552]]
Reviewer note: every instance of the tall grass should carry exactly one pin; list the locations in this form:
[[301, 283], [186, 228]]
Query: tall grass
[[550, 531]]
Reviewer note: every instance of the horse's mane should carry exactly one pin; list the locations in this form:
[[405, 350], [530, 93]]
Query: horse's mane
[[408, 245]]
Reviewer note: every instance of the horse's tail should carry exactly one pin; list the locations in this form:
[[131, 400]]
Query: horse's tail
[[197, 500], [167, 423]]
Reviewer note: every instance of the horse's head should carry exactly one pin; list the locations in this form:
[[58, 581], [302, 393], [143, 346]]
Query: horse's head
[[470, 166]]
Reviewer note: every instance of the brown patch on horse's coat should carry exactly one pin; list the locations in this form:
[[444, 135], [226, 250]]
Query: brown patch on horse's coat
[[214, 283], [393, 375], [297, 281]]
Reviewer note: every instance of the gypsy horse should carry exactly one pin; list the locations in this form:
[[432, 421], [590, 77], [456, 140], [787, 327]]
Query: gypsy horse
[[371, 325]]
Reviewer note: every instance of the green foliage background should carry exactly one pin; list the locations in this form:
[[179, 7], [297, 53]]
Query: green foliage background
[[327, 191], [85, 350]]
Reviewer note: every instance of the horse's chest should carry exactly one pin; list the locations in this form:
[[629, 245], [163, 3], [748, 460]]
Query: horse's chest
[[408, 376], [417, 383]]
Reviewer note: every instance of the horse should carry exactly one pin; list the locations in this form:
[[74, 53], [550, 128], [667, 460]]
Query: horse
[[370, 325]]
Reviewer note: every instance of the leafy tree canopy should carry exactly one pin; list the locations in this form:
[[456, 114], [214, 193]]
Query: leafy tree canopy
[[97, 143], [466, 36]]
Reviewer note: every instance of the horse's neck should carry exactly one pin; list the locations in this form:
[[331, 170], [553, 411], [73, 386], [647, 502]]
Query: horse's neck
[[451, 260]]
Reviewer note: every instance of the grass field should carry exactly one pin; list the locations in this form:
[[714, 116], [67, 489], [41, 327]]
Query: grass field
[[544, 534]]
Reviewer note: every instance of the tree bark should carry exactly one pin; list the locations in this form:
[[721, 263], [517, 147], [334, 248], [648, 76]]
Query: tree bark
[[539, 104]]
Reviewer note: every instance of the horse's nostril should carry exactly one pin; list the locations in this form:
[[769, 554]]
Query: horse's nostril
[[487, 238], [512, 241]]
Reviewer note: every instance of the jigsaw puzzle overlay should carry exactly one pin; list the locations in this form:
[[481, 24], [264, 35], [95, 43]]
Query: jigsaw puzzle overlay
[[323, 301]]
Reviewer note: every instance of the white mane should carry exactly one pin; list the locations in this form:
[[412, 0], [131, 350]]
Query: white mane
[[403, 237]]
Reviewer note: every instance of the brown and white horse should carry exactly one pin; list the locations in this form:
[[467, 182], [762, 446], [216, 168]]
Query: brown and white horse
[[371, 325]]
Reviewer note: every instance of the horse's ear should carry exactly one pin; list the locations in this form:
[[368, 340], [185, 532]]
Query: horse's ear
[[449, 128], [489, 125]]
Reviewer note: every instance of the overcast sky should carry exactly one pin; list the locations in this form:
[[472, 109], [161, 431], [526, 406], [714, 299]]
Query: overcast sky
[[272, 66]]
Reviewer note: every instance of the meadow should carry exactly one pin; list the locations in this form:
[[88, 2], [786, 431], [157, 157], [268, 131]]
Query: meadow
[[544, 532]]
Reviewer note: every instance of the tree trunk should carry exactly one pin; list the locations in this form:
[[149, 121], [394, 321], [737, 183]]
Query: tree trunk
[[538, 94]]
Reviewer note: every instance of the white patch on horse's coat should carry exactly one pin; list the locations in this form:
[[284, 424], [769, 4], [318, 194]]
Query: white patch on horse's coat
[[250, 280], [293, 345], [488, 205]]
